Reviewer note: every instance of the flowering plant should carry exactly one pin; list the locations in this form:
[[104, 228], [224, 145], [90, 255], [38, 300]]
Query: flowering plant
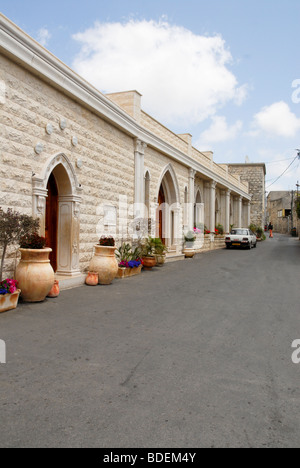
[[32, 241], [129, 258], [130, 264], [197, 230], [107, 241], [206, 231], [8, 286]]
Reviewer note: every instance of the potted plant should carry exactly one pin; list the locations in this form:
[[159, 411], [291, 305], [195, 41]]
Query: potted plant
[[34, 273], [104, 261], [148, 254], [9, 294], [129, 261], [189, 240], [219, 230], [160, 250], [13, 226]]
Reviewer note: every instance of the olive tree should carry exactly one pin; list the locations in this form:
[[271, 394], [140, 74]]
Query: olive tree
[[13, 226]]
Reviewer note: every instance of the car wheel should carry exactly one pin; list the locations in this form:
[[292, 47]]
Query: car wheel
[[228, 247], [249, 246], [255, 245]]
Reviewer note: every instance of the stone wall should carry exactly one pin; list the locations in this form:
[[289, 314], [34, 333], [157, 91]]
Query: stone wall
[[275, 206], [107, 153], [254, 174]]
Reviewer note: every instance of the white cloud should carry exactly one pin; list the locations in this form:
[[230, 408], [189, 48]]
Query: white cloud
[[184, 78], [276, 119], [43, 36], [219, 131]]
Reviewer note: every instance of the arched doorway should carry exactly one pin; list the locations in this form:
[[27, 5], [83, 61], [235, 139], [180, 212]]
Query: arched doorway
[[198, 211], [168, 209], [217, 213], [56, 203], [161, 213], [51, 220]]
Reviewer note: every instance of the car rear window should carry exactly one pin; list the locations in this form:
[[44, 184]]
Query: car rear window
[[239, 232]]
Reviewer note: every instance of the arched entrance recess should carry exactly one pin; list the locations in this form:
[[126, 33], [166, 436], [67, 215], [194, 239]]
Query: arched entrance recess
[[56, 202], [168, 211], [217, 212], [198, 210]]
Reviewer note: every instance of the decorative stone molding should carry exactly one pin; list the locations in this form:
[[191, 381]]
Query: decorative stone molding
[[69, 200], [139, 146]]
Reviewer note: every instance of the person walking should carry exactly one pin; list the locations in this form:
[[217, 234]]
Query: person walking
[[271, 227]]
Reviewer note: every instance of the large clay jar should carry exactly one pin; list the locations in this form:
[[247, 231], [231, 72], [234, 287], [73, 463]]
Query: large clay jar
[[34, 274], [105, 264]]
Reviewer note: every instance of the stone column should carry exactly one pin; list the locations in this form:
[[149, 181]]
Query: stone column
[[240, 212], [39, 203], [248, 213], [227, 211], [139, 195], [206, 204], [191, 199], [212, 206]]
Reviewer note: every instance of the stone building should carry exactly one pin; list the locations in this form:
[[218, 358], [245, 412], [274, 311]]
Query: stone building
[[87, 164], [255, 175], [281, 211]]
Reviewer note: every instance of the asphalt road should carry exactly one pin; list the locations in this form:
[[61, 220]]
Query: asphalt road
[[194, 354]]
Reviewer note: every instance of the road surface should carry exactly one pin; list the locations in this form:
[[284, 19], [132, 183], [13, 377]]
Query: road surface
[[194, 354]]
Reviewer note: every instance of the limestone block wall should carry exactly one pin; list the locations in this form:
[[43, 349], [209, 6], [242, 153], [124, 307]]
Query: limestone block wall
[[156, 163], [254, 174], [107, 154]]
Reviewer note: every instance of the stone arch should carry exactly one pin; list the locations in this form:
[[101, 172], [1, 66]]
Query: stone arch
[[198, 210], [168, 212], [217, 212], [69, 191], [147, 181]]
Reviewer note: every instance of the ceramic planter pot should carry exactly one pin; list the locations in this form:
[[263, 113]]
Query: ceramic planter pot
[[160, 259], [54, 290], [189, 252], [149, 262], [9, 301], [128, 272], [92, 278], [34, 274], [104, 263]]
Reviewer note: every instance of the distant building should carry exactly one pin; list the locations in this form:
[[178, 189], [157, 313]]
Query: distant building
[[255, 175], [281, 211]]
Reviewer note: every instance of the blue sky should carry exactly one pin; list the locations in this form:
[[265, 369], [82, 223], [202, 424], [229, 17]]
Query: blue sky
[[221, 70]]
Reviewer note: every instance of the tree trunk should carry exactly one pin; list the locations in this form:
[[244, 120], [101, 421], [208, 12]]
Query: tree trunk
[[2, 260]]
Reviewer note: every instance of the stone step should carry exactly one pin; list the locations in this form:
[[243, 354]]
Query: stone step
[[69, 282]]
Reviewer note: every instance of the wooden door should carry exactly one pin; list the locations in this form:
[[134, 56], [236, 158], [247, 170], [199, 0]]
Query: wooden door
[[52, 220], [161, 201]]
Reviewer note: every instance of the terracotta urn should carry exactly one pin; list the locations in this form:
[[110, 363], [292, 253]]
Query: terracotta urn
[[105, 264], [149, 262], [55, 290], [34, 274], [92, 278]]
